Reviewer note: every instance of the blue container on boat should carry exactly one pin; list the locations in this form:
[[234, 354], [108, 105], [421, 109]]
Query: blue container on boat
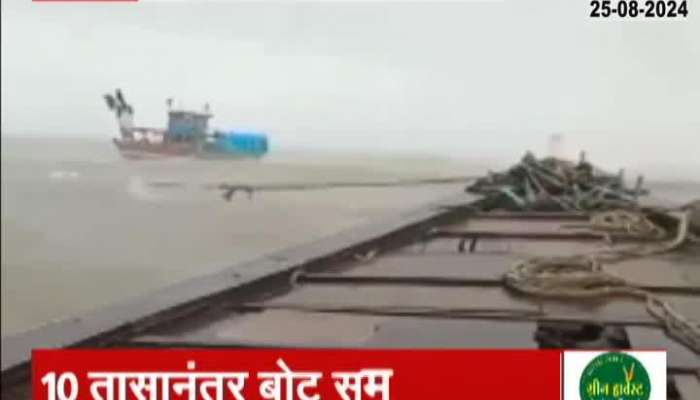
[[241, 143]]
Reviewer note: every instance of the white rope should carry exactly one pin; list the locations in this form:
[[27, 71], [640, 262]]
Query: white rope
[[582, 276], [634, 223]]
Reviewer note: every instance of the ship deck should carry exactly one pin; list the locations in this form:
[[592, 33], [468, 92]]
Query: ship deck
[[429, 278]]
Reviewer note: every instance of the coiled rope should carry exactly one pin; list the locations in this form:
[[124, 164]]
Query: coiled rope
[[582, 276], [634, 223]]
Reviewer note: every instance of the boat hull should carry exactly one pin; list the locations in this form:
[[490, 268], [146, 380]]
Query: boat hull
[[141, 150], [138, 150], [217, 155], [374, 276]]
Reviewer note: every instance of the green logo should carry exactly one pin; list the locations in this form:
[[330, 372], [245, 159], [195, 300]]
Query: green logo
[[615, 376]]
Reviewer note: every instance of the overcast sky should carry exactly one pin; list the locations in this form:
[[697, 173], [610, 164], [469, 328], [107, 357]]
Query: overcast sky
[[487, 77]]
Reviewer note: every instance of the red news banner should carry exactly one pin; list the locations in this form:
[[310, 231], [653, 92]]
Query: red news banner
[[295, 374]]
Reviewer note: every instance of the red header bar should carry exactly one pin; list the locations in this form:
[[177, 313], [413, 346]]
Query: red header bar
[[85, 1], [296, 374]]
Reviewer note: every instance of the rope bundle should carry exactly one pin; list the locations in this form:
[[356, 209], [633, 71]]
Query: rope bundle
[[634, 223], [582, 276], [565, 277]]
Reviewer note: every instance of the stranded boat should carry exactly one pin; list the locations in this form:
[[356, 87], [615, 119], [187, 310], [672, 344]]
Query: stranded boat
[[463, 272], [187, 135]]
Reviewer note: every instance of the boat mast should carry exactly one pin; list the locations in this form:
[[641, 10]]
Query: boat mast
[[123, 111]]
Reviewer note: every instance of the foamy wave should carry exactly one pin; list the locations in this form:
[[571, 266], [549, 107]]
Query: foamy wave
[[140, 190], [63, 175]]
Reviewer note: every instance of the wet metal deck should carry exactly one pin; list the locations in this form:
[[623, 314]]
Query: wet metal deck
[[426, 279]]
